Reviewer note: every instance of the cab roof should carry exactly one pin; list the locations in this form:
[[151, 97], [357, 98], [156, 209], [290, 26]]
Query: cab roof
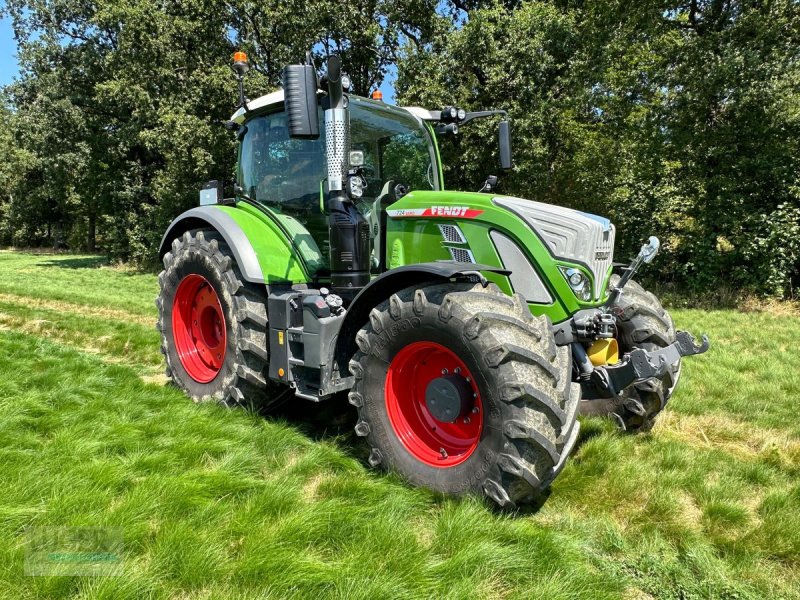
[[276, 99]]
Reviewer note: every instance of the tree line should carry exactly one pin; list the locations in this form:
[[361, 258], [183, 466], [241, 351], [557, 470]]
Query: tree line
[[673, 118]]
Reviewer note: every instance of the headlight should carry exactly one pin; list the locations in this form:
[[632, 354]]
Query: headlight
[[356, 186], [578, 282]]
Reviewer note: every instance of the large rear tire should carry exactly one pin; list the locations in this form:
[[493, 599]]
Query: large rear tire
[[641, 323], [213, 325], [516, 405]]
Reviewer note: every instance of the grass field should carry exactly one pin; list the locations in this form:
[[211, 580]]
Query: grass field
[[227, 504]]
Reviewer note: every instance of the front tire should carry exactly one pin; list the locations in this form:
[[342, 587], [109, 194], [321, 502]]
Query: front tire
[[516, 405], [213, 324]]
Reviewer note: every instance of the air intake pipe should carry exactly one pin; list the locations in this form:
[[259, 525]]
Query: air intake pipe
[[348, 230]]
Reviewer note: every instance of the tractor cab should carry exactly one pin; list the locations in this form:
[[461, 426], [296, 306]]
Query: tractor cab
[[391, 151]]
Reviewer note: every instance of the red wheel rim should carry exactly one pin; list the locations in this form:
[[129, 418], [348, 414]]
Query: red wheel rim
[[433, 442], [198, 327]]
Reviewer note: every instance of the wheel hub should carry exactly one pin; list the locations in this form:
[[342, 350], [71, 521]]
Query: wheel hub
[[198, 328], [433, 404], [448, 398]]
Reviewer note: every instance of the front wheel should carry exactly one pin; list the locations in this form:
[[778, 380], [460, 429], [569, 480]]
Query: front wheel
[[460, 390]]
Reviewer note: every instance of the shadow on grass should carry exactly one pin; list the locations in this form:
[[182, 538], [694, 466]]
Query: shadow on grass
[[333, 421], [328, 420], [592, 427], [86, 262]]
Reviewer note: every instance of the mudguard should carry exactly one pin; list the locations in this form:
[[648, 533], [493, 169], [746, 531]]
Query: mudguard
[[383, 286], [265, 248], [210, 216]]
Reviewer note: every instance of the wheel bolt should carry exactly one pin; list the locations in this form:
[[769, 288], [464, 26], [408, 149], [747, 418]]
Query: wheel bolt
[[457, 370], [443, 452], [466, 420], [475, 410], [468, 379], [444, 371]]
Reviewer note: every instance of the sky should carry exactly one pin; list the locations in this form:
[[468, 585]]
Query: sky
[[8, 53], [387, 87]]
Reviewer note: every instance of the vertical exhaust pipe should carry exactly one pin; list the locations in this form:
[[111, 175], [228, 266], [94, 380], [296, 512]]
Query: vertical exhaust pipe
[[348, 230]]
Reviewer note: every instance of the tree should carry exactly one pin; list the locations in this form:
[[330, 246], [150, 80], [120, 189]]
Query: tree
[[124, 101], [676, 118]]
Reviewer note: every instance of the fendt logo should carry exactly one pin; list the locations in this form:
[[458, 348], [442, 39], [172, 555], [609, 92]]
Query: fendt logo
[[464, 212], [449, 211]]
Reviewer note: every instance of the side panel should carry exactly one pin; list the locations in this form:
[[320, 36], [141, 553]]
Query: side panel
[[414, 235], [261, 246]]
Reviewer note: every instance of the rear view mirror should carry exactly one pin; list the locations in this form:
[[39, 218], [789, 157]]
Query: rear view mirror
[[300, 100], [505, 146]]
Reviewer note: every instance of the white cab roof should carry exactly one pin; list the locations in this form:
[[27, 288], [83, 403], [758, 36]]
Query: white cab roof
[[275, 98], [267, 100]]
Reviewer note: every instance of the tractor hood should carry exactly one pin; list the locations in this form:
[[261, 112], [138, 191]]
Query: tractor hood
[[541, 244], [570, 235]]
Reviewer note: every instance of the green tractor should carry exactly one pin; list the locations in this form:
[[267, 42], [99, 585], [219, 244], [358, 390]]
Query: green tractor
[[469, 329]]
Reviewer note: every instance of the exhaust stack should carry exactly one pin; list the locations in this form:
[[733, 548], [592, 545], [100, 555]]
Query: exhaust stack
[[348, 230]]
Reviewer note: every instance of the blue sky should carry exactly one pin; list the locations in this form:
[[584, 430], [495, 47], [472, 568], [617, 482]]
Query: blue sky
[[387, 87], [8, 53]]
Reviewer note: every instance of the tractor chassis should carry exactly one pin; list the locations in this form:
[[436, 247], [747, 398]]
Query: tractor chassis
[[312, 337]]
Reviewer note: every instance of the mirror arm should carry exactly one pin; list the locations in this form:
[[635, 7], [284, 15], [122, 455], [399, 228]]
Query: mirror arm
[[480, 114]]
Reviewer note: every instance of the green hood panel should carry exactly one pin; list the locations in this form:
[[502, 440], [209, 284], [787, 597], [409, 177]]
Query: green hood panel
[[414, 236]]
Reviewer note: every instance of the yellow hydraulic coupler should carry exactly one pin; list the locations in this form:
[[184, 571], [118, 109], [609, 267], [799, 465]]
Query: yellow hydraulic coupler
[[604, 352]]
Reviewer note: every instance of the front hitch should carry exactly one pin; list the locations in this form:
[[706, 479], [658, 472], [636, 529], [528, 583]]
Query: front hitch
[[610, 381]]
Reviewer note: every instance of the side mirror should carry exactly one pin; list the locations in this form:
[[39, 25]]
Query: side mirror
[[300, 100], [505, 146], [211, 193]]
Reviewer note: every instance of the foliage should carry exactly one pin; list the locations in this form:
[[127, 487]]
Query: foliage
[[678, 118], [121, 104], [220, 503]]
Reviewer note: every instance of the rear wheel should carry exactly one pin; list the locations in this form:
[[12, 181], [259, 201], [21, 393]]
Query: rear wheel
[[641, 323], [460, 390], [213, 324]]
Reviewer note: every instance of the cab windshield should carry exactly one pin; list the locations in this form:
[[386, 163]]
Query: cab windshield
[[290, 175]]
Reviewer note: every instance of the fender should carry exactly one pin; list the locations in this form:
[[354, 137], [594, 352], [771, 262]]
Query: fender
[[386, 284], [264, 251], [204, 216]]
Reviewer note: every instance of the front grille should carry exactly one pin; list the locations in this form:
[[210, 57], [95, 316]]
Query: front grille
[[569, 235], [602, 259]]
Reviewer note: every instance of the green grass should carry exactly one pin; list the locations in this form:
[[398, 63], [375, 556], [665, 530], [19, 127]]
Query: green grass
[[226, 504]]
